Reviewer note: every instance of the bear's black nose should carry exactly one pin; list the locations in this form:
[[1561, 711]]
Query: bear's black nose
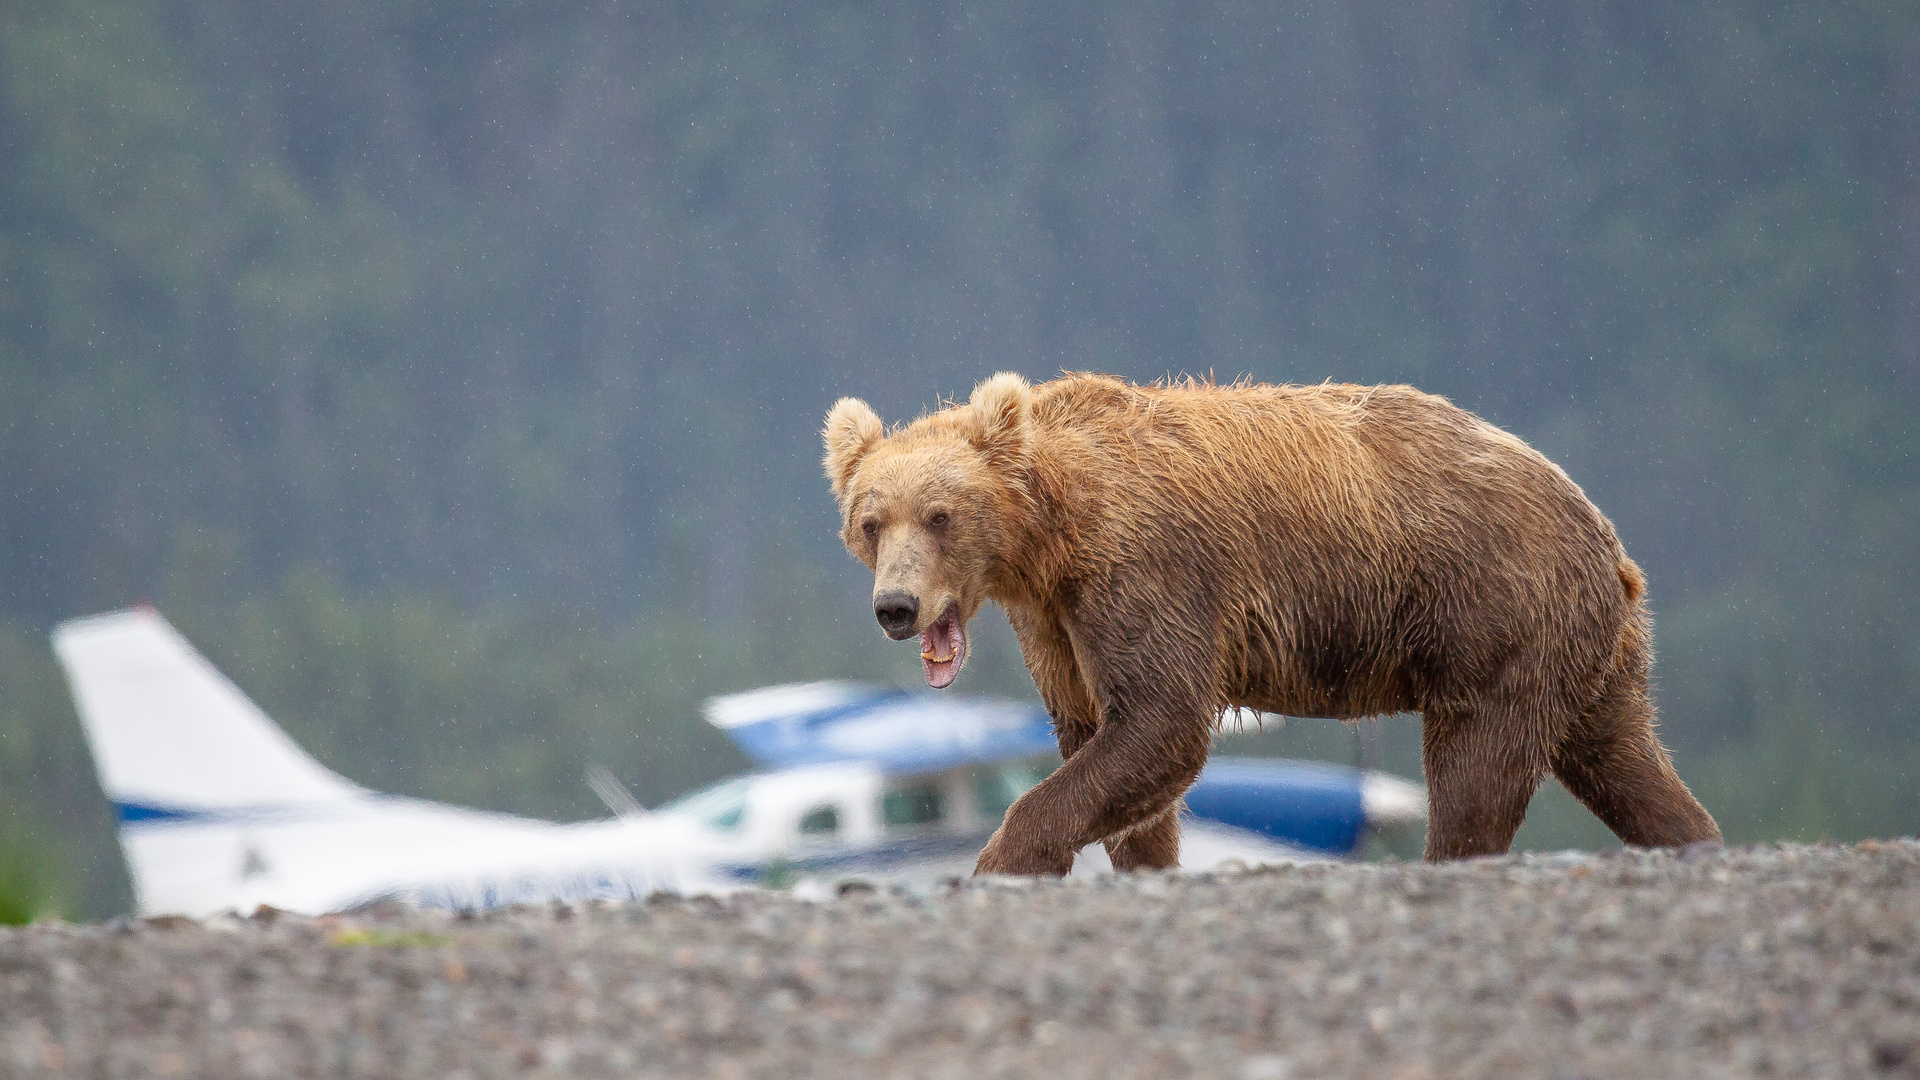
[[897, 612]]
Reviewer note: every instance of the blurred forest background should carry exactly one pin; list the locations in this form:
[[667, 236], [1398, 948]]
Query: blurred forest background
[[450, 373]]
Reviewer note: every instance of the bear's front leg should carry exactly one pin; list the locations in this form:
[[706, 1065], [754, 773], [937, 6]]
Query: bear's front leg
[[1124, 782], [1029, 838]]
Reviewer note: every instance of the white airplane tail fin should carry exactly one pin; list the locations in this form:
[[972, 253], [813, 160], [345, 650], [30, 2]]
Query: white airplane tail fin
[[171, 736]]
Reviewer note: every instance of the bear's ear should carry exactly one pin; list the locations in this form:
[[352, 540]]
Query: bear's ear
[[852, 430], [1002, 409]]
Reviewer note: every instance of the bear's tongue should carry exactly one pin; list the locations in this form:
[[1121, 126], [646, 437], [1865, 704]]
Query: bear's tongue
[[943, 648]]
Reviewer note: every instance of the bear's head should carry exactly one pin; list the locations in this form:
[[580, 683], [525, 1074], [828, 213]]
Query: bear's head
[[930, 509]]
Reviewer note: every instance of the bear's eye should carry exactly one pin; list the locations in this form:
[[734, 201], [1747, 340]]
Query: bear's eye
[[938, 520], [869, 527]]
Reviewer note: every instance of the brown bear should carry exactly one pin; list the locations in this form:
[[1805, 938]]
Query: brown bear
[[1168, 552]]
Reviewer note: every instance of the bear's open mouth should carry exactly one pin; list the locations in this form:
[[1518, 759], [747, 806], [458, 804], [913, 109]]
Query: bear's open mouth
[[943, 648]]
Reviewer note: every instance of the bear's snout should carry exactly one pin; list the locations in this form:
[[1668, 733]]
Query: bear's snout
[[898, 612]]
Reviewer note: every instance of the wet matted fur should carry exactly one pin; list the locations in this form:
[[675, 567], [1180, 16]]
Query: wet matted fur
[[1165, 552]]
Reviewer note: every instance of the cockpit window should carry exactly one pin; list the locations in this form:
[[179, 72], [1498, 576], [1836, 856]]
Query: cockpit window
[[722, 806], [912, 803], [995, 789], [820, 821], [992, 794]]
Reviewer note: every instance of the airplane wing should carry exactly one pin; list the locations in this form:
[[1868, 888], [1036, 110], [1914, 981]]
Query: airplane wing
[[900, 731]]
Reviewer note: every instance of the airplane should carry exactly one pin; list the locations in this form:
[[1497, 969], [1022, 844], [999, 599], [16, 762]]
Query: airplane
[[221, 811]]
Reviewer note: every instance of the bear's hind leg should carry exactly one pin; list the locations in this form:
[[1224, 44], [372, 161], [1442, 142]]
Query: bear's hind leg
[[1482, 767], [1612, 761], [1154, 844]]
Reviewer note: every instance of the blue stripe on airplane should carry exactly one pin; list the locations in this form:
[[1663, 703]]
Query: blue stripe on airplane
[[133, 813]]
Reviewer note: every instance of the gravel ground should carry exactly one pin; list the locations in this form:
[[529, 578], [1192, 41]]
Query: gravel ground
[[1774, 960]]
